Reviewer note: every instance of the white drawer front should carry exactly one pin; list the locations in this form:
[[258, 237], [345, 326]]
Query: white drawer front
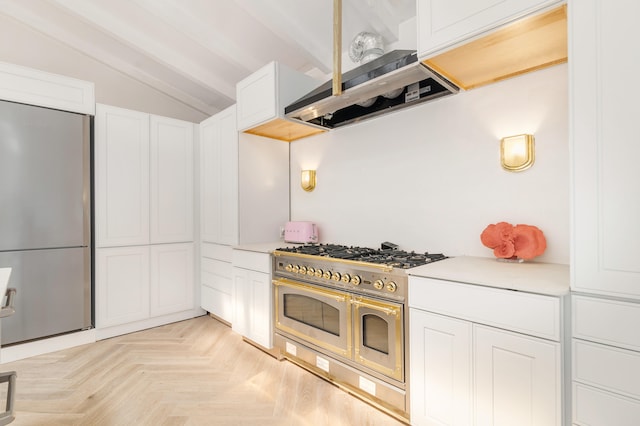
[[217, 251], [594, 407], [527, 313], [252, 260], [614, 369], [606, 321], [217, 275]]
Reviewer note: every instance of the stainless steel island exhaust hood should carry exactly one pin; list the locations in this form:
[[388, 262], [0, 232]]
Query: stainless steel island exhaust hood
[[393, 81]]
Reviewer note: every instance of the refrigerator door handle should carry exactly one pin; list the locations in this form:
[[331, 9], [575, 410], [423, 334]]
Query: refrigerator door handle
[[7, 310]]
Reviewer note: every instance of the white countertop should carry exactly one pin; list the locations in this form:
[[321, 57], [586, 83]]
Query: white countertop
[[542, 278], [264, 247], [261, 247]]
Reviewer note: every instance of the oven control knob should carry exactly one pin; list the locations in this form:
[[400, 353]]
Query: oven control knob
[[326, 275], [288, 268], [391, 286], [295, 268], [378, 284], [356, 280], [318, 273], [303, 270], [335, 276], [346, 278], [311, 271]]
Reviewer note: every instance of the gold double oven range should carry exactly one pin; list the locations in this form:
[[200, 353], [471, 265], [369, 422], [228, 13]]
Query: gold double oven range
[[340, 313]]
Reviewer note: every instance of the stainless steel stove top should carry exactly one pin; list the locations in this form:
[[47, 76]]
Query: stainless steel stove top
[[360, 270]]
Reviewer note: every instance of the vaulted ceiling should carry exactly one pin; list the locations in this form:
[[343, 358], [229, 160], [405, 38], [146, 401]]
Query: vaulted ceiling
[[195, 51]]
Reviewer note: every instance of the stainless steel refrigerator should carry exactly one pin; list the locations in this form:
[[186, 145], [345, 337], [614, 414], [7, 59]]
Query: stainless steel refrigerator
[[45, 220]]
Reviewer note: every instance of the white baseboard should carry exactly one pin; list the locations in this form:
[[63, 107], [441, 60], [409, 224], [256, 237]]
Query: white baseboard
[[118, 330], [44, 346]]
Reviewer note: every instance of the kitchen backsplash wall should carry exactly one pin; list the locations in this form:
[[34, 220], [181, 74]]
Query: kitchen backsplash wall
[[429, 178]]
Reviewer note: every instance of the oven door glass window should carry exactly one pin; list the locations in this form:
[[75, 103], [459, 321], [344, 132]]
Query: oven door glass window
[[375, 333], [316, 316], [378, 336], [313, 312]]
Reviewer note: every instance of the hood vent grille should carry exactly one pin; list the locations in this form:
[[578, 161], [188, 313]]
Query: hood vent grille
[[393, 81]]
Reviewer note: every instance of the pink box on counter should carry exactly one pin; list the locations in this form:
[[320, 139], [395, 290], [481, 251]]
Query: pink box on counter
[[300, 232]]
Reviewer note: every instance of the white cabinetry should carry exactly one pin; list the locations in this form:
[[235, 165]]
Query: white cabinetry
[[606, 361], [144, 178], [253, 297], [122, 177], [262, 97], [441, 368], [144, 197], [171, 180], [122, 285], [216, 293], [35, 87], [244, 198], [219, 178], [606, 202], [605, 211], [517, 379], [466, 371], [444, 23], [171, 287]]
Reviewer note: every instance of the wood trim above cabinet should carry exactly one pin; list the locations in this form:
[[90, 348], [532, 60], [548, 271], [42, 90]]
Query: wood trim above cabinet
[[284, 130], [526, 45]]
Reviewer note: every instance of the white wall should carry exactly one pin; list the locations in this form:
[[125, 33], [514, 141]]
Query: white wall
[[429, 178], [22, 45]]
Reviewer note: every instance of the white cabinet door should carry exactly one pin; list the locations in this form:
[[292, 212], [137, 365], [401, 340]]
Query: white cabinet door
[[171, 171], [122, 177], [256, 97], [443, 23], [441, 381], [34, 87], [606, 202], [216, 274], [171, 278], [517, 379], [219, 178], [252, 306], [122, 285], [242, 302]]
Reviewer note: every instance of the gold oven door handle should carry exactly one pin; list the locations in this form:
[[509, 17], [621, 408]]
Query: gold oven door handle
[[378, 307]]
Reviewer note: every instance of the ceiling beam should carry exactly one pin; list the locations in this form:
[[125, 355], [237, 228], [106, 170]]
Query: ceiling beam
[[21, 12], [136, 38], [200, 31]]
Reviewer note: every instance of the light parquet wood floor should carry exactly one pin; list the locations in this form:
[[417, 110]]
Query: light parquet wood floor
[[195, 372]]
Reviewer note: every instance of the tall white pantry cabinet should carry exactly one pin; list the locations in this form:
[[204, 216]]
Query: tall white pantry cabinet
[[605, 210], [144, 179], [244, 198]]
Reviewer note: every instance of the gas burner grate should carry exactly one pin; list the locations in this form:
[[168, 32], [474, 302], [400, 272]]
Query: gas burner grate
[[390, 257]]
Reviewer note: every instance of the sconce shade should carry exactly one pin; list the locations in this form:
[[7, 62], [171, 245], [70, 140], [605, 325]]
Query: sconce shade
[[308, 180], [517, 153]]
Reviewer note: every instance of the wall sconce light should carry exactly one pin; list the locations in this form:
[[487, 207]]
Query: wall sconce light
[[517, 152], [308, 180]]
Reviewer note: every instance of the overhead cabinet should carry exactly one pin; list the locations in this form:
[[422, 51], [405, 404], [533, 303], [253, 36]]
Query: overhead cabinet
[[473, 43], [262, 97], [35, 87]]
